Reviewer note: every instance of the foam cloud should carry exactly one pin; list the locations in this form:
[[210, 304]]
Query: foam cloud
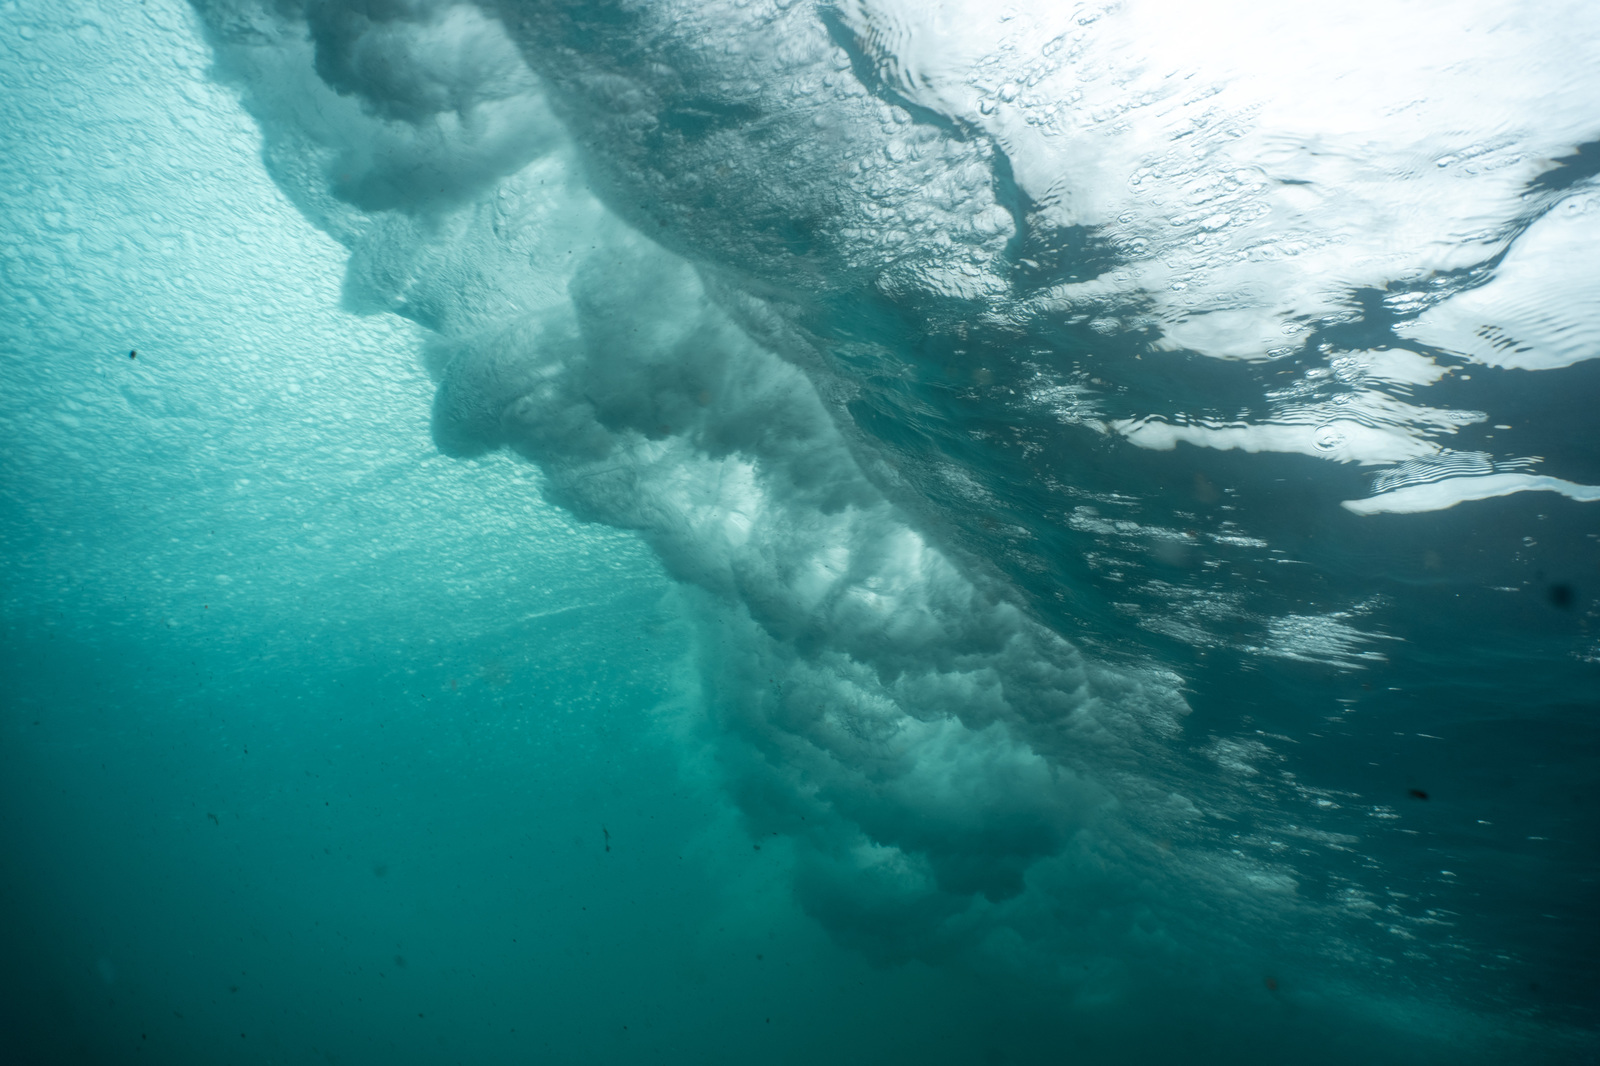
[[870, 684]]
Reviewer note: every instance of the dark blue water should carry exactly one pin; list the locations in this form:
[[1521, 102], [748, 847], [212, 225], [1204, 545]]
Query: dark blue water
[[728, 532]]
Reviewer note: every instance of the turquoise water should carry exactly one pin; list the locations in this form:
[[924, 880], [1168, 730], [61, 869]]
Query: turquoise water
[[720, 533]]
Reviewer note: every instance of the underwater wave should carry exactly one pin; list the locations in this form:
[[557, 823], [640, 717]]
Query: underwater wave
[[1068, 422]]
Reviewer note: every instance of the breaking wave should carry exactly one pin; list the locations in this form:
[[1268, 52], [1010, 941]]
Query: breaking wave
[[996, 382]]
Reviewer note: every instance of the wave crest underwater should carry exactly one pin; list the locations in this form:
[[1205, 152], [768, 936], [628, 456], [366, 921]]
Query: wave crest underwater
[[1072, 429]]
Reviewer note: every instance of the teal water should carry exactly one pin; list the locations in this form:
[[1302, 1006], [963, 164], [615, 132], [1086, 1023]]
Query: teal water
[[637, 533]]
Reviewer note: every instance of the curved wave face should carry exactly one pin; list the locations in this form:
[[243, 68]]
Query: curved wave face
[[766, 530]]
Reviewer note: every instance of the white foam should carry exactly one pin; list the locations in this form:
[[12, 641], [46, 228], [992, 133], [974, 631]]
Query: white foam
[[1541, 308], [1441, 495], [1259, 165], [1342, 440]]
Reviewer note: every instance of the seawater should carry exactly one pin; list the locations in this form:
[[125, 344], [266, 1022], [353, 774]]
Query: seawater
[[778, 532]]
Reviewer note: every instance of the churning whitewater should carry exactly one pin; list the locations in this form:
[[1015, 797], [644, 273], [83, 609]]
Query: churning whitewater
[[1116, 478]]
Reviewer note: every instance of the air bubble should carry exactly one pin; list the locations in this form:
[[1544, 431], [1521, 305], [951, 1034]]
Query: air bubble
[[1327, 438]]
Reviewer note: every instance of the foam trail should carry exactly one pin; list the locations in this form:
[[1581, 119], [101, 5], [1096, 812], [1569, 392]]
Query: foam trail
[[1438, 495]]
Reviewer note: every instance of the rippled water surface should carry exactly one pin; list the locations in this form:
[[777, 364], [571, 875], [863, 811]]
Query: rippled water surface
[[787, 532]]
